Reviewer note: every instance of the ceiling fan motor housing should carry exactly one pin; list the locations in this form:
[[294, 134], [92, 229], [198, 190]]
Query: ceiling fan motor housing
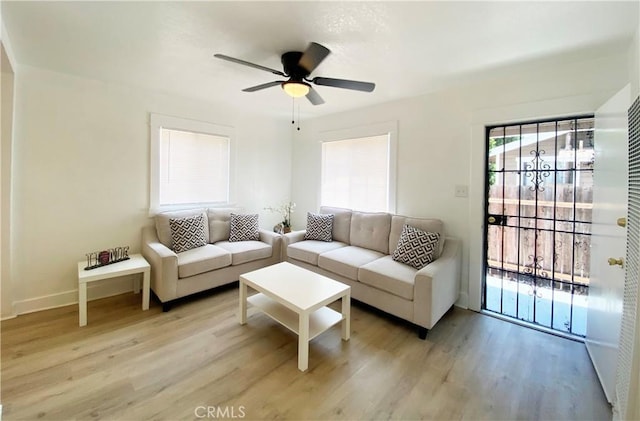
[[291, 67]]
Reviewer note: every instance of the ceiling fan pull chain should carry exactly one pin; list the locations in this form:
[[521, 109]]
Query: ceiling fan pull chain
[[298, 116], [293, 110]]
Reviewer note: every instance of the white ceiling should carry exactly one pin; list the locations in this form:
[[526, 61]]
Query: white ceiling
[[406, 48]]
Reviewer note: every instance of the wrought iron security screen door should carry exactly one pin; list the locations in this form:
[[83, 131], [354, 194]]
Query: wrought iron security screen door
[[539, 188]]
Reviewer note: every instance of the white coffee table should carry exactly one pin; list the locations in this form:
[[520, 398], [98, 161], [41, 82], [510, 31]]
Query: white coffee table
[[297, 298], [135, 264]]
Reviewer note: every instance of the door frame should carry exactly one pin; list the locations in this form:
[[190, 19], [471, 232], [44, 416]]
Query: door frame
[[471, 296]]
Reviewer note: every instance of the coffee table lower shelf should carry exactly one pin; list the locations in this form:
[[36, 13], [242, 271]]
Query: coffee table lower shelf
[[319, 321]]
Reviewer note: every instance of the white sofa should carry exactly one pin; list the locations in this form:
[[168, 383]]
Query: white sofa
[[360, 255], [175, 275]]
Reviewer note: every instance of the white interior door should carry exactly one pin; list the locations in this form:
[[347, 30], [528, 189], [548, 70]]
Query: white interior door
[[606, 289]]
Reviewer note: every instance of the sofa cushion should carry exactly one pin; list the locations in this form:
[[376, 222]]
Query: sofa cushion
[[309, 250], [244, 227], [416, 247], [425, 224], [319, 227], [162, 224], [371, 231], [202, 259], [341, 223], [387, 275], [345, 261], [220, 223], [188, 233], [246, 251]]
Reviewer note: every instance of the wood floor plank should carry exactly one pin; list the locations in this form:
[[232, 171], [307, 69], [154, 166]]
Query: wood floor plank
[[128, 364]]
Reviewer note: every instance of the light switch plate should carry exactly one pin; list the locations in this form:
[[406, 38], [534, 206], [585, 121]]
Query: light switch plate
[[462, 191]]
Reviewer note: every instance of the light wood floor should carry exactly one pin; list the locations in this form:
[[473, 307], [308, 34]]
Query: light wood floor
[[127, 364]]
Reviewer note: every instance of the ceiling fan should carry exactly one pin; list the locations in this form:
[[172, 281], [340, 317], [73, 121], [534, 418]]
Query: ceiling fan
[[297, 66]]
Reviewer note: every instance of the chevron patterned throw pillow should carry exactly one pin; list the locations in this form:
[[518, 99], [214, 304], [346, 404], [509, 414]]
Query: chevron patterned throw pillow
[[244, 227], [187, 233], [319, 227], [416, 247]]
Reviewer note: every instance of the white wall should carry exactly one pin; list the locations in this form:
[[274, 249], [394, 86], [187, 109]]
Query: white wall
[[634, 65], [81, 160], [441, 142], [6, 122], [81, 175]]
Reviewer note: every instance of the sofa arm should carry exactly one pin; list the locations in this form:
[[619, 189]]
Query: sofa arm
[[293, 237], [437, 285], [164, 265], [274, 240], [269, 237], [290, 238]]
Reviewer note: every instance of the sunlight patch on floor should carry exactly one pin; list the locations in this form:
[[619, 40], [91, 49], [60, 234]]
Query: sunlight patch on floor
[[518, 302]]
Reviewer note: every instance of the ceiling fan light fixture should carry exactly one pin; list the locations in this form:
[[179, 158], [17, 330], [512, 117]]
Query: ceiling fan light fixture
[[296, 89]]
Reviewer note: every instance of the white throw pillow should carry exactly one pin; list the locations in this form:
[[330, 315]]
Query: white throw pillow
[[416, 247]]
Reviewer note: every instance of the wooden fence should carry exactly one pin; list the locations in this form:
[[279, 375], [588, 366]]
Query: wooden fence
[[547, 232]]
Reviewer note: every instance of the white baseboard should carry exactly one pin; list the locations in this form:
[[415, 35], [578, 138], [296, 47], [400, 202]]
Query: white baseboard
[[95, 290], [610, 399], [9, 316], [108, 288], [463, 300]]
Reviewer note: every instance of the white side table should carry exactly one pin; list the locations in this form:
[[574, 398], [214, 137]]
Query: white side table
[[135, 264]]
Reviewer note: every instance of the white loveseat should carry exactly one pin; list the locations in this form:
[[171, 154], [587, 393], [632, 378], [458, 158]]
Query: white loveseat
[[219, 262], [360, 255]]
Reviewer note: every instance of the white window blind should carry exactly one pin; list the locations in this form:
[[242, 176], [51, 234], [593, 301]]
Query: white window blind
[[356, 173], [194, 168], [191, 164]]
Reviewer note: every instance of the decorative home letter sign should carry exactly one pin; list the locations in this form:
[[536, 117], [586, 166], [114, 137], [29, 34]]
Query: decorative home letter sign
[[97, 259]]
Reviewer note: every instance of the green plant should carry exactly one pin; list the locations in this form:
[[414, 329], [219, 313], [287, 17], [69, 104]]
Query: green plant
[[492, 165], [492, 174]]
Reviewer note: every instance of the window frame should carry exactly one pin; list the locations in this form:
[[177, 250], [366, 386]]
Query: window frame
[[158, 122], [389, 128]]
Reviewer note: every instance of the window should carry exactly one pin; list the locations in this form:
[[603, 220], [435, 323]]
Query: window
[[359, 172], [190, 163]]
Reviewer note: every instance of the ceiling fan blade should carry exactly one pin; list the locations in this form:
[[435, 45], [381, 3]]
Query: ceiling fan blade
[[314, 97], [345, 84], [313, 56], [246, 63], [263, 86]]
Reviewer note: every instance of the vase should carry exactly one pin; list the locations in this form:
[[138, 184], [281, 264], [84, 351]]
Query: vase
[[286, 230]]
